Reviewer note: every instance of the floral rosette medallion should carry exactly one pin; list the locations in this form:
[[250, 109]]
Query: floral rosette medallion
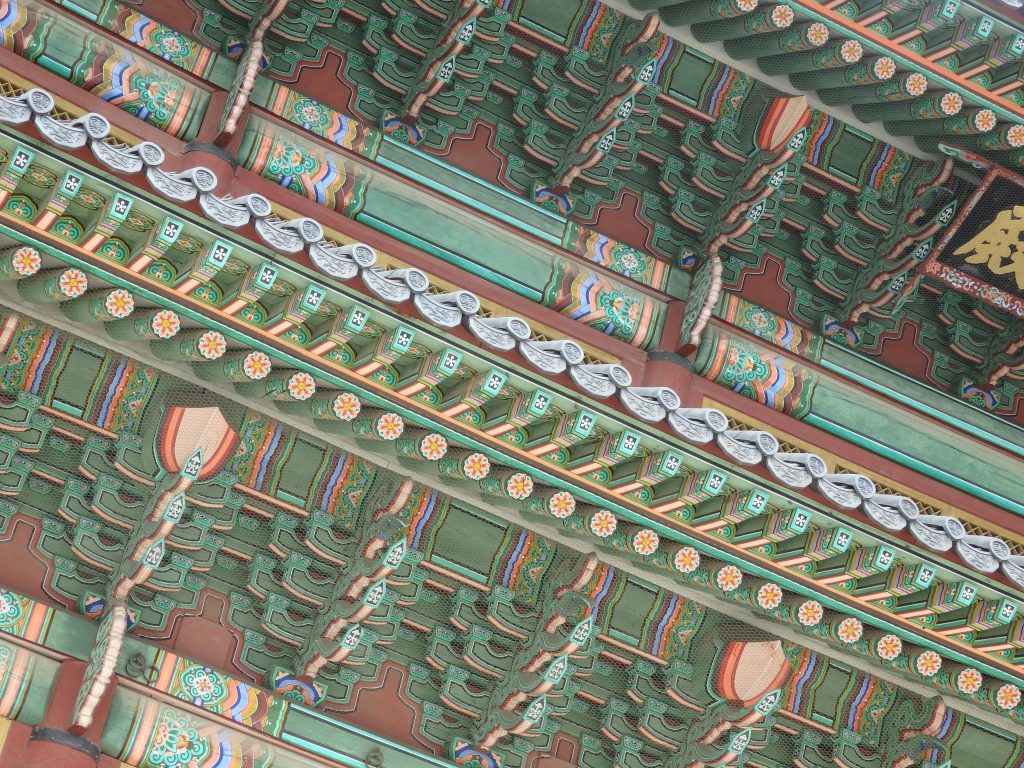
[[951, 103], [686, 560], [889, 647], [346, 406], [984, 120], [519, 486], [202, 685], [1008, 696], [769, 596], [476, 466], [119, 303], [729, 578], [72, 283], [916, 84], [850, 630], [884, 68], [389, 426], [817, 34], [301, 386], [928, 664], [969, 681], [645, 542], [562, 505], [212, 345], [851, 51], [782, 16], [165, 324], [603, 524], [810, 613], [433, 446], [25, 261], [256, 366]]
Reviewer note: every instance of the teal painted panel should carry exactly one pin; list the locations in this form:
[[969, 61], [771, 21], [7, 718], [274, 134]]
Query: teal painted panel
[[555, 18], [471, 191], [346, 744], [460, 233], [925, 399], [976, 466]]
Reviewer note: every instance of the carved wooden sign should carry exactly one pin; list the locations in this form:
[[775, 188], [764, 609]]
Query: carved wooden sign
[[102, 665], [982, 253]]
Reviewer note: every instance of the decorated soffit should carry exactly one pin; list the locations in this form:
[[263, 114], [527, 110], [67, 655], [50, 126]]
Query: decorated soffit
[[850, 238], [690, 478], [968, 341], [145, 488]]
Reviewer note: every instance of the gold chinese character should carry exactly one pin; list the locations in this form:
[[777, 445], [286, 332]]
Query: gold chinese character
[[1000, 245]]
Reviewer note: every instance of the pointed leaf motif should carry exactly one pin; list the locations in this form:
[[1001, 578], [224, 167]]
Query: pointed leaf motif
[[769, 702], [193, 465], [351, 638], [375, 595], [923, 249], [778, 177], [444, 74], [556, 670], [607, 142], [395, 554], [625, 109], [155, 554], [646, 73], [798, 140], [467, 32], [175, 509], [740, 741], [536, 710], [581, 632]]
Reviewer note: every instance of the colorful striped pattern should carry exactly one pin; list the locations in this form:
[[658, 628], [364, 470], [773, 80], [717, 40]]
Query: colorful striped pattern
[[424, 509], [616, 256], [609, 307], [772, 328], [605, 588], [292, 163], [807, 676], [723, 91], [670, 625], [319, 119], [237, 701], [825, 134], [523, 559], [756, 373], [119, 394], [260, 457], [37, 353], [865, 704], [882, 169], [164, 42], [594, 30], [159, 98], [12, 19]]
